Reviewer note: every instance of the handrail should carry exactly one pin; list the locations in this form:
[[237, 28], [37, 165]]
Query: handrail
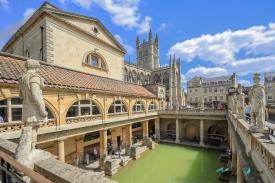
[[20, 167]]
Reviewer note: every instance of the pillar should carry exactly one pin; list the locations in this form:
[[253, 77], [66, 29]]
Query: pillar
[[234, 155], [201, 133], [61, 150], [240, 175], [157, 127], [79, 149], [103, 148], [177, 131], [145, 129], [129, 135]]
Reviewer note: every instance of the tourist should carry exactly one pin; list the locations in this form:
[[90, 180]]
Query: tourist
[[155, 137], [174, 136], [113, 154], [221, 107], [1, 119], [119, 151], [229, 152], [76, 161], [188, 107], [195, 138], [109, 148], [247, 112], [181, 107], [95, 153], [87, 157]]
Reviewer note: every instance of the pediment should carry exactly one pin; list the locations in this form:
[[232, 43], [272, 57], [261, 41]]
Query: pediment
[[91, 25]]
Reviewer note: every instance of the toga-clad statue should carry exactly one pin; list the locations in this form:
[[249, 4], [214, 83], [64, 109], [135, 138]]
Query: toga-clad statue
[[33, 111], [234, 103], [240, 103], [257, 95]]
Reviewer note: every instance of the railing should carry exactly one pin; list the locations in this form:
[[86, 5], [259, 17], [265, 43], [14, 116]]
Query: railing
[[8, 167], [138, 113], [83, 119], [192, 112], [117, 115], [10, 127]]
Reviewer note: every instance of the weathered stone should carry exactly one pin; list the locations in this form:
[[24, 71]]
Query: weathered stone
[[110, 167]]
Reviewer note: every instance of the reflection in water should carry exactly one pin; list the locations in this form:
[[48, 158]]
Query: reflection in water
[[172, 164]]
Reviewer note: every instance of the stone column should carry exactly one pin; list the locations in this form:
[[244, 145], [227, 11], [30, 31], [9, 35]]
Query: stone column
[[61, 151], [145, 129], [201, 133], [157, 127], [234, 156], [129, 135], [103, 148], [79, 149], [177, 131], [240, 175]]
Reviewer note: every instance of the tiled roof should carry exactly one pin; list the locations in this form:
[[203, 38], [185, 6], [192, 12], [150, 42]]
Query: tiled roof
[[12, 68]]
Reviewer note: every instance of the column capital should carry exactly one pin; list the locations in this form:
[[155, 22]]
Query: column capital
[[61, 138]]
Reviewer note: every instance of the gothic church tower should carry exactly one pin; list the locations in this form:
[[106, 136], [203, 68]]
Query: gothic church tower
[[148, 52]]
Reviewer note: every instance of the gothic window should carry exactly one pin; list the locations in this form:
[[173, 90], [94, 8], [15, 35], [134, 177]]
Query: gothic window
[[166, 81], [134, 77], [126, 76], [117, 107], [13, 106], [152, 106], [94, 61], [141, 78], [138, 106], [146, 80], [28, 53], [156, 79], [83, 108]]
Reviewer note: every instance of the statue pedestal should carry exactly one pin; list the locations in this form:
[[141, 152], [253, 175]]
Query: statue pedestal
[[255, 129]]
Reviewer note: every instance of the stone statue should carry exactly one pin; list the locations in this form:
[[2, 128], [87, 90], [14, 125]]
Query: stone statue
[[240, 103], [202, 105], [33, 111], [257, 95], [234, 103]]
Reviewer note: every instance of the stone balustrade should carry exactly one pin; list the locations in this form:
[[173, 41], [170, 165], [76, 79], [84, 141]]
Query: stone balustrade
[[139, 113], [83, 119], [10, 127], [257, 146], [117, 115], [192, 112]]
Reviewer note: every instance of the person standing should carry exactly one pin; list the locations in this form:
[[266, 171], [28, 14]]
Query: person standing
[[76, 161], [247, 112], [119, 152], [87, 156], [109, 148], [95, 153]]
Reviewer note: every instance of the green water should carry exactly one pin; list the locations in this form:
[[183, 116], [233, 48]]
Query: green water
[[172, 164]]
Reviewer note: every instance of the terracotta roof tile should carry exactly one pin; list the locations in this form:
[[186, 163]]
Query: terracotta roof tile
[[56, 77]]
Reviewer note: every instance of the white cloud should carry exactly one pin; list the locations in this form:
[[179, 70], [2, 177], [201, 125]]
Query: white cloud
[[5, 4], [162, 27], [222, 48], [27, 14], [245, 83], [122, 12], [206, 72], [127, 47]]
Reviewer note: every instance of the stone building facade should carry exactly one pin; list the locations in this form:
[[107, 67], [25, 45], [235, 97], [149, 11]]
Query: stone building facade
[[148, 71], [212, 91], [269, 83]]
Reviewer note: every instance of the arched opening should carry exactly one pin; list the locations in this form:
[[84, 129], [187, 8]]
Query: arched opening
[[117, 107], [134, 76], [190, 130], [141, 78], [83, 108], [95, 60], [156, 79]]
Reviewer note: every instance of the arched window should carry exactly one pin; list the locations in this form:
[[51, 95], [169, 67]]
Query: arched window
[[156, 79], [95, 60], [166, 81], [138, 106], [152, 106], [117, 107], [134, 77], [146, 80], [28, 53], [13, 106], [83, 108], [126, 76]]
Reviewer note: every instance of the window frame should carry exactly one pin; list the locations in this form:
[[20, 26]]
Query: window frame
[[80, 106]]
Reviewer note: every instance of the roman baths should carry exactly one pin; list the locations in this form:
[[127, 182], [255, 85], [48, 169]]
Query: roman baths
[[73, 110]]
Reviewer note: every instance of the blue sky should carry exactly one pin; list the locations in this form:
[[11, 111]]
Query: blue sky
[[212, 38]]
